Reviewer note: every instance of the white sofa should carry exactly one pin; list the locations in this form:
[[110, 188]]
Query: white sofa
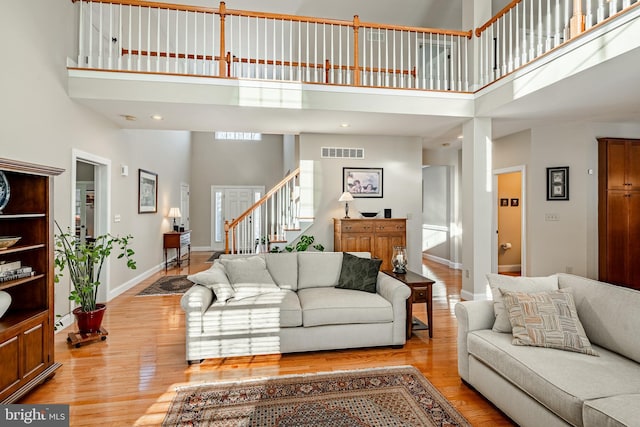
[[548, 387], [304, 312]]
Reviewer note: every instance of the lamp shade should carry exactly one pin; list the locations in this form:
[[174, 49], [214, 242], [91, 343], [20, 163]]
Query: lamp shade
[[174, 213], [346, 197]]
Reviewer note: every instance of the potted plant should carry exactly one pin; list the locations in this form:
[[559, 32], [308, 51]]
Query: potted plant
[[84, 261], [304, 242]]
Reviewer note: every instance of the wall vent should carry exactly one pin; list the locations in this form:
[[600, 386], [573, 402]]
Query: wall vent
[[341, 153], [376, 35]]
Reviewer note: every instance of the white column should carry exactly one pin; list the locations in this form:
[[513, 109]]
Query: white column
[[477, 207], [474, 14]]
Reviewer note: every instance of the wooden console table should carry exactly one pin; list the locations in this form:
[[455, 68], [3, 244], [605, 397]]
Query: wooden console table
[[421, 291], [177, 240]]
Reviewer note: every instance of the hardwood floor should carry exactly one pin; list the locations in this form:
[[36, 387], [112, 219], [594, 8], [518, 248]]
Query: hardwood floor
[[129, 379]]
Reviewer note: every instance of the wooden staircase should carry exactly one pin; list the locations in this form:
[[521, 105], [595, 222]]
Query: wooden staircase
[[271, 223]]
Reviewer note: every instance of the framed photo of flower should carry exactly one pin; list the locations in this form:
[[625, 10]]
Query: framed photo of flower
[[147, 191]]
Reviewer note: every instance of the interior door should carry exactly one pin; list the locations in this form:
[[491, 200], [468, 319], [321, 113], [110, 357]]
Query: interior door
[[227, 204]]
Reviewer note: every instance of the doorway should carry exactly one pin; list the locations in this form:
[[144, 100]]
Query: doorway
[[228, 203], [509, 244]]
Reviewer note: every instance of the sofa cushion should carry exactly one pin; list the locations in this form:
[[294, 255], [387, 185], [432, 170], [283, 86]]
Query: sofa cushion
[[609, 313], [256, 313], [546, 319], [333, 306], [249, 276], [614, 411], [517, 284], [215, 278], [561, 381], [359, 274], [283, 267], [318, 269]]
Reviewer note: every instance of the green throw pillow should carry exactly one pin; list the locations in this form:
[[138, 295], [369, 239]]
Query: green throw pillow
[[357, 273]]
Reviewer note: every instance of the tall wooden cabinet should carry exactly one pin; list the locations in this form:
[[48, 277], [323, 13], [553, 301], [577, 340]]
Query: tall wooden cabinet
[[619, 211], [377, 236], [27, 328]]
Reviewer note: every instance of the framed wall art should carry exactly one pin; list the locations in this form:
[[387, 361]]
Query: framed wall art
[[558, 183], [147, 191], [362, 182]]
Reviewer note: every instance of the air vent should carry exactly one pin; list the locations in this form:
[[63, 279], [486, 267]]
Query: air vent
[[376, 36], [341, 153]]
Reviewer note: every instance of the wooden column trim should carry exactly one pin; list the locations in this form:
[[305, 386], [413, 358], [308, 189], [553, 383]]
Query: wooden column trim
[[356, 50], [576, 23]]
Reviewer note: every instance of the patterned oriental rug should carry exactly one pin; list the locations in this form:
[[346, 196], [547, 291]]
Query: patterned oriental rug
[[168, 285], [396, 396]]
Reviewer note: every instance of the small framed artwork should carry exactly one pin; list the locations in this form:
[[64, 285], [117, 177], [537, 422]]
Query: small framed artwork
[[515, 202], [504, 202], [147, 191], [558, 183], [362, 182]]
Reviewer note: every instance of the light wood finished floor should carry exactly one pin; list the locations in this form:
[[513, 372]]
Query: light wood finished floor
[[129, 379]]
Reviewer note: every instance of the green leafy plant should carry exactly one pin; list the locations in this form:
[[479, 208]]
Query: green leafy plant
[[303, 243], [84, 261]]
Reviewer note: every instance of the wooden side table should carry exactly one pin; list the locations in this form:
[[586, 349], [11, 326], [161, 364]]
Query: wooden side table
[[421, 291], [177, 240]]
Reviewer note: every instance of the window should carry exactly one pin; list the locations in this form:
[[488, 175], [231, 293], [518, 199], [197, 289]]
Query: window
[[239, 136]]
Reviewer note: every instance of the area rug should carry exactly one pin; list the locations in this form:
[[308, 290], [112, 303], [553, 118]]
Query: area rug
[[214, 257], [395, 396], [167, 285]]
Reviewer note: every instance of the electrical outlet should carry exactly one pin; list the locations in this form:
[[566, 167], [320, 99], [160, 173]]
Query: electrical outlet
[[116, 218], [551, 217]]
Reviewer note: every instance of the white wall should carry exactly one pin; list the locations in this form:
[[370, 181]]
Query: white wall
[[400, 158], [229, 163], [41, 124]]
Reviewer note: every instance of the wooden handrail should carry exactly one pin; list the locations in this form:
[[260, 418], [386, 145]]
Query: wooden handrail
[[499, 15], [157, 5], [230, 225]]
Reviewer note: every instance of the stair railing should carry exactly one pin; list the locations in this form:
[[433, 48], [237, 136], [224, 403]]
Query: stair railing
[[267, 220]]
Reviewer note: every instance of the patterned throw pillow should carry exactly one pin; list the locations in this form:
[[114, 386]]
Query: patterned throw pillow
[[215, 279], [546, 319], [357, 273]]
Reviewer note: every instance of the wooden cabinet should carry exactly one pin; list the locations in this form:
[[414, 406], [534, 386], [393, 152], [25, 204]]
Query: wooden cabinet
[[377, 236], [619, 211], [27, 328], [177, 240]]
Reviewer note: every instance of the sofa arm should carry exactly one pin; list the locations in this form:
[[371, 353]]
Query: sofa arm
[[396, 293], [471, 316], [197, 299]]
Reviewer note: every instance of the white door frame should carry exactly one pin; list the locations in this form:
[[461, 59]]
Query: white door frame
[[219, 246], [102, 206], [523, 220]]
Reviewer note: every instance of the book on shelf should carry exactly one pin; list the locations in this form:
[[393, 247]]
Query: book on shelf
[[24, 272], [8, 266]]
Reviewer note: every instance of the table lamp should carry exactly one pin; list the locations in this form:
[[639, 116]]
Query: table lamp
[[346, 197], [174, 213]]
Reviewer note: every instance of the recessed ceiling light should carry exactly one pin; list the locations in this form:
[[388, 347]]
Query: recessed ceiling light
[[446, 144], [344, 125], [129, 118], [156, 117], [460, 136]]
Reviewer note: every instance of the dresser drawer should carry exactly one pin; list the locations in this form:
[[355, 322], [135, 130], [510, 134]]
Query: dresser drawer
[[390, 226], [356, 227], [185, 239], [418, 295]]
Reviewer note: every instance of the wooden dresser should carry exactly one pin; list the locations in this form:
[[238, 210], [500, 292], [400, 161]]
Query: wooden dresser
[[377, 236]]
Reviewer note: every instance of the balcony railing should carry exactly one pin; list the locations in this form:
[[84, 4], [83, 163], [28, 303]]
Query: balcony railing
[[148, 37]]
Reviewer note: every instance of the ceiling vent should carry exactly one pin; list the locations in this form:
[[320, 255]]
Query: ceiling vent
[[341, 153]]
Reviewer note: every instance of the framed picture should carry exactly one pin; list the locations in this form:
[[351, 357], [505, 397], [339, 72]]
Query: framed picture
[[558, 183], [504, 202], [515, 202], [362, 182], [147, 191]]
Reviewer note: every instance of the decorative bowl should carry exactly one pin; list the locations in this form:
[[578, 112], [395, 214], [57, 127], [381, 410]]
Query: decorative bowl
[[369, 214], [8, 241]]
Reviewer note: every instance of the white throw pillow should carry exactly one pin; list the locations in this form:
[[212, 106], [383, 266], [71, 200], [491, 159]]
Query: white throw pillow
[[515, 284], [215, 279], [249, 276]]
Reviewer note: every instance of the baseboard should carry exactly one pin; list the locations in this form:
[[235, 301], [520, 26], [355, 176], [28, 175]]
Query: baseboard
[[470, 296], [448, 263], [506, 268], [202, 249], [134, 281]]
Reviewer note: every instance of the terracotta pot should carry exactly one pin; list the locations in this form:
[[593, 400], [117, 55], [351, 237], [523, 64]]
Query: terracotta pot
[[90, 321]]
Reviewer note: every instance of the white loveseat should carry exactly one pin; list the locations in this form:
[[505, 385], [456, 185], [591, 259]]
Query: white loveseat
[[548, 387], [303, 311]]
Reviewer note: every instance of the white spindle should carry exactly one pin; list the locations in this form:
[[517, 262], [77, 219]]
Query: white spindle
[[266, 53], [600, 12], [167, 47], [613, 7], [466, 63], [110, 41], [177, 50], [340, 80], [158, 56], [589, 18], [459, 58], [290, 50], [81, 32], [315, 51], [510, 36], [257, 53], [502, 35], [524, 33], [119, 44], [549, 35], [204, 44], [90, 54], [556, 34], [100, 37], [431, 61], [275, 56], [148, 10], [348, 70], [307, 66]]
